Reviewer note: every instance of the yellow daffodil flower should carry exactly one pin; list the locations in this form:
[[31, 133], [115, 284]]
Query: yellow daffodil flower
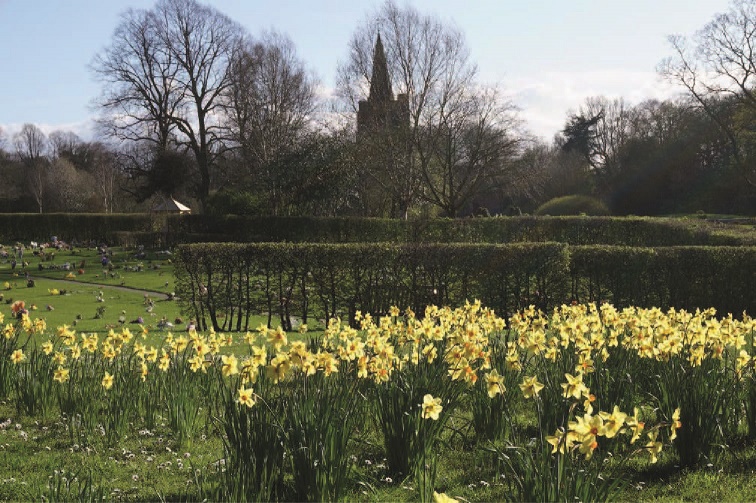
[[431, 407], [531, 387], [17, 356], [246, 397], [107, 381]]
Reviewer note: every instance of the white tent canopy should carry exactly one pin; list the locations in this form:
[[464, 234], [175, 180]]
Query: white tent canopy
[[170, 205]]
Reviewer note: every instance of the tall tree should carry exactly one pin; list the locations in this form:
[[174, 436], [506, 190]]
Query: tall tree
[[167, 70], [68, 145], [70, 189], [271, 100], [107, 177], [428, 62], [719, 62], [139, 76], [467, 149], [31, 147], [579, 135], [31, 143]]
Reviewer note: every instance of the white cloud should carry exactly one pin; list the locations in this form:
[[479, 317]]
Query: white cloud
[[546, 99]]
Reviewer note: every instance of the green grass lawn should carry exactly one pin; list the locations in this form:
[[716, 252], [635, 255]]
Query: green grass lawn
[[39, 460], [154, 272], [97, 299]]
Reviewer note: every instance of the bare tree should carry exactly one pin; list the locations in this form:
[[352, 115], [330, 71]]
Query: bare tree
[[69, 189], [271, 100], [31, 147], [661, 120], [717, 68], [455, 128], [30, 143], [428, 62], [106, 176], [140, 92], [166, 73], [467, 147], [64, 143], [612, 128]]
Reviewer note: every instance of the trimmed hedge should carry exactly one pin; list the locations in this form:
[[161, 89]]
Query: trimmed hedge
[[627, 231], [99, 227], [154, 230], [687, 277], [222, 284]]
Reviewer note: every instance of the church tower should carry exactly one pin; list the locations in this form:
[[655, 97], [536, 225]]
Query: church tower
[[381, 112]]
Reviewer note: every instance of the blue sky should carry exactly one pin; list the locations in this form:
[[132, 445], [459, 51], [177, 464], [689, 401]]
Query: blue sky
[[547, 55]]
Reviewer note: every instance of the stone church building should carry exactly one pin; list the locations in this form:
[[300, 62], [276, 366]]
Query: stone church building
[[380, 112]]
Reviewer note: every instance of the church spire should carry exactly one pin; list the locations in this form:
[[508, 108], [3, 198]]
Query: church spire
[[380, 84]]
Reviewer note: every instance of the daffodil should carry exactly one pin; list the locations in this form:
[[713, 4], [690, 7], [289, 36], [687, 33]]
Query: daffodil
[[47, 347], [248, 372], [613, 422], [17, 356], [362, 367], [635, 425], [559, 441], [279, 367], [742, 360], [586, 430], [230, 365], [60, 358], [165, 361], [494, 384], [196, 363], [574, 386], [151, 354], [107, 381], [259, 355], [89, 342], [443, 498], [180, 343], [277, 338], [513, 360], [431, 407], [531, 387], [653, 446], [246, 397], [676, 424], [61, 374], [588, 402]]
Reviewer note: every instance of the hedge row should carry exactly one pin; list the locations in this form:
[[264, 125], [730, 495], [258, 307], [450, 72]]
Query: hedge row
[[70, 227], [625, 231], [154, 230], [223, 284]]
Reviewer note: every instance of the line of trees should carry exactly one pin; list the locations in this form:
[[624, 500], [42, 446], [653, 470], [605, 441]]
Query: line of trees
[[657, 157], [194, 106], [58, 172]]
